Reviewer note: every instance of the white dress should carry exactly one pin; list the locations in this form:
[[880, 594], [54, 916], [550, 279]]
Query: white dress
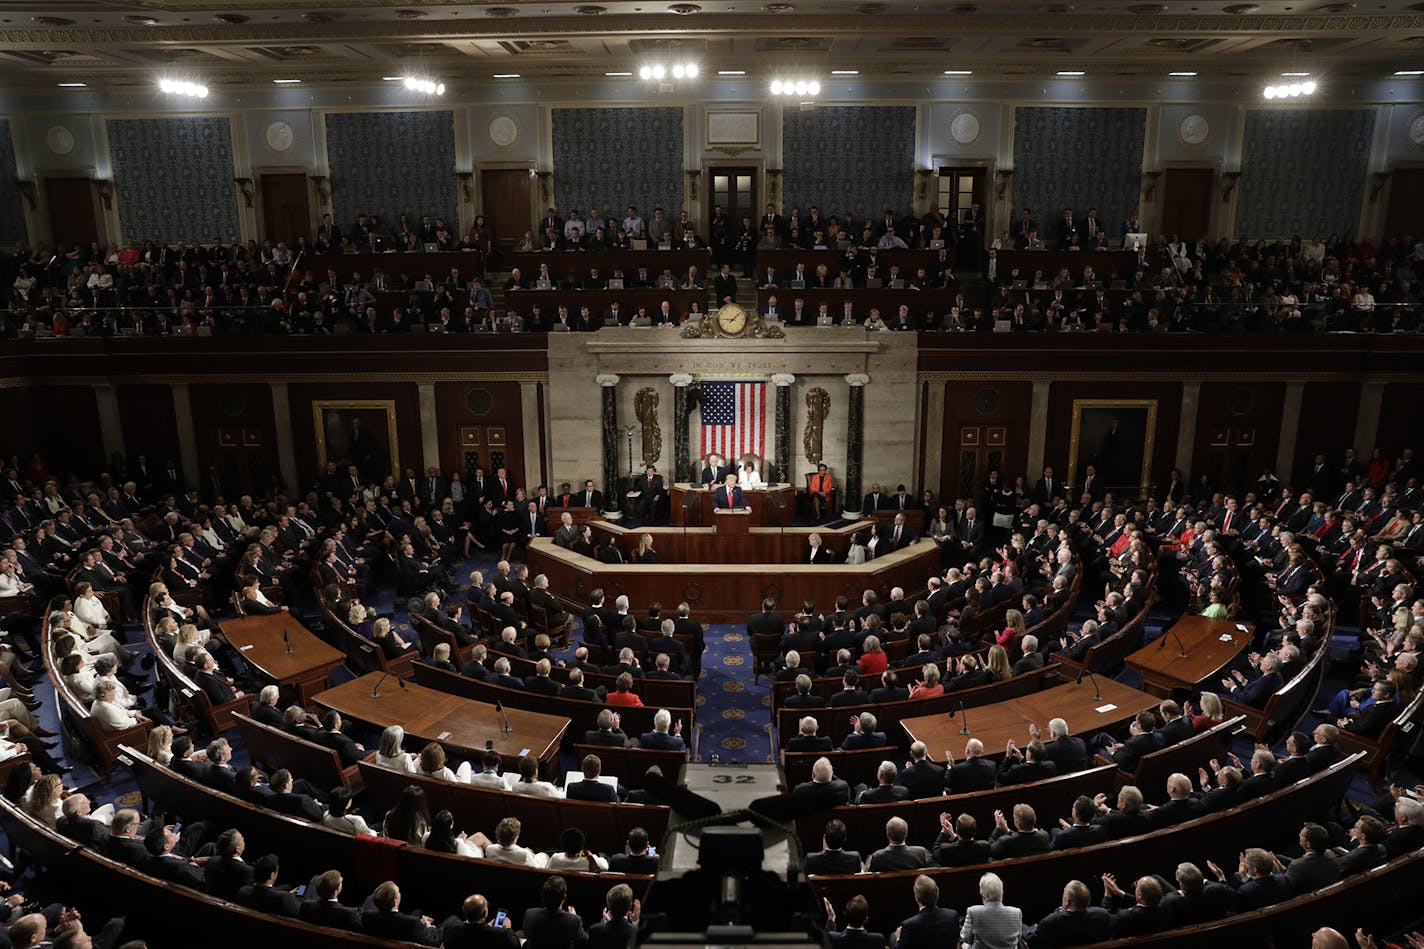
[[750, 480], [404, 761]]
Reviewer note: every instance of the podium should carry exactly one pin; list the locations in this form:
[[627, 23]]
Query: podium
[[731, 522]]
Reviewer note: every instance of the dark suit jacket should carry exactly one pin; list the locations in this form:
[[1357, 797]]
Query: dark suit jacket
[[923, 779], [270, 900], [552, 929], [224, 876], [1065, 928], [1084, 835], [736, 501], [612, 934], [857, 939], [344, 747], [1069, 753], [592, 791], [832, 862], [809, 743], [398, 925], [1019, 844], [974, 774], [331, 913]]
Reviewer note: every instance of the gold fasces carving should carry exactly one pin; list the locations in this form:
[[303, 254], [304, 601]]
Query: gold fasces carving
[[818, 407], [645, 406]]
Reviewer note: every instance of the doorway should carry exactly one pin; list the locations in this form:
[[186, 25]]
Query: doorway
[[70, 203], [286, 207], [1406, 201], [1186, 202], [505, 203], [735, 190], [962, 193]]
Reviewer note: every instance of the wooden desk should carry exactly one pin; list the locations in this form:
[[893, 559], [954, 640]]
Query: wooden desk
[[733, 574], [764, 510], [549, 301], [995, 724], [784, 261], [462, 725], [1107, 264], [470, 263], [914, 519], [553, 517], [566, 265], [1163, 668], [304, 671], [926, 306]]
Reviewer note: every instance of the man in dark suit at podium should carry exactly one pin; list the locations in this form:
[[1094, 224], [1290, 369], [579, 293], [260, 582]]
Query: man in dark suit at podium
[[729, 496]]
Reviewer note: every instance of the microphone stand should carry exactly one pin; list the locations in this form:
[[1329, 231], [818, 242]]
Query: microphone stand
[[376, 689], [963, 717], [288, 640], [499, 707], [1097, 693], [1162, 641]]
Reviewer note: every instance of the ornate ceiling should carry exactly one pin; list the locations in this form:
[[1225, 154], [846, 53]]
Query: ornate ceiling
[[114, 44]]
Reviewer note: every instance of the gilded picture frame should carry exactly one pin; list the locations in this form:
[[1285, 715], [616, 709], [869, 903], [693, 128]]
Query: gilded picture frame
[[360, 432], [1121, 453]]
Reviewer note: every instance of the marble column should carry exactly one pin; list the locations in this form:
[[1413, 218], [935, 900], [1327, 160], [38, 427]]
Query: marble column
[[611, 494], [529, 416], [286, 443], [932, 451], [429, 427], [1367, 419], [855, 443], [1037, 436], [1187, 429], [1290, 429], [681, 460], [782, 471], [111, 427], [187, 444]]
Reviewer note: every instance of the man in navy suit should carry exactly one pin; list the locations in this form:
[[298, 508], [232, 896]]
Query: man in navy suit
[[1258, 691], [864, 735], [729, 496], [1076, 923], [933, 925], [590, 788], [660, 738], [550, 925], [853, 934], [619, 928], [323, 907], [975, 773]]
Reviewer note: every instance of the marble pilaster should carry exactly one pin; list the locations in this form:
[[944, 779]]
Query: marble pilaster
[[855, 441]]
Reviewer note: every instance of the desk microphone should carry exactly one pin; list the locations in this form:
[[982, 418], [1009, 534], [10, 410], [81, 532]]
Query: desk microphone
[[288, 640], [499, 707], [964, 718], [376, 689], [1162, 641], [1097, 694]]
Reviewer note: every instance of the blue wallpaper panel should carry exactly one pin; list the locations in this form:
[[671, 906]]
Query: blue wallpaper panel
[[12, 215], [611, 158], [391, 163], [173, 178], [1078, 158], [857, 159], [1303, 172]]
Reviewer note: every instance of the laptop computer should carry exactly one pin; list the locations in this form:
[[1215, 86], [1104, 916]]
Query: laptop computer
[[543, 284], [1003, 326], [874, 283], [936, 244], [1019, 285], [897, 284], [641, 321], [664, 245], [430, 247], [1119, 284], [638, 243], [798, 284], [616, 283], [826, 320]]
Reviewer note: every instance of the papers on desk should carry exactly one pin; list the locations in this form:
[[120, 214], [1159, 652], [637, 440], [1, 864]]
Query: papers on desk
[[247, 647], [1228, 638], [1242, 627], [573, 776], [1104, 709]]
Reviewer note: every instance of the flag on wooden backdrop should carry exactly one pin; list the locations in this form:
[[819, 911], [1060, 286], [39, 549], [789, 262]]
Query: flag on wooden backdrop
[[734, 419]]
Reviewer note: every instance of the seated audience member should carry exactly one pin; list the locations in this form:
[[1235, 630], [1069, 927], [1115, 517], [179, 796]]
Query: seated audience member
[[896, 854], [833, 858]]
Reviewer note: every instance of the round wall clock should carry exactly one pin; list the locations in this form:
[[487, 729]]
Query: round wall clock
[[280, 136], [1194, 129], [503, 131], [60, 140]]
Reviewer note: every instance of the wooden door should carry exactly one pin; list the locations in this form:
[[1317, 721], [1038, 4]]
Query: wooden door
[[1232, 460], [982, 448], [286, 208], [70, 203], [1406, 202], [961, 192], [1186, 202], [505, 199], [735, 189]]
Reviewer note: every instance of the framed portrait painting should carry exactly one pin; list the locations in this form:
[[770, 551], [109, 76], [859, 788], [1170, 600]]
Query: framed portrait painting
[[1115, 437], [357, 432]]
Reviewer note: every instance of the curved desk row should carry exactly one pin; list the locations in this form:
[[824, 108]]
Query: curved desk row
[[725, 578]]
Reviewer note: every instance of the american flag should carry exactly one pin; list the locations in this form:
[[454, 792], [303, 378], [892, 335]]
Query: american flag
[[734, 419]]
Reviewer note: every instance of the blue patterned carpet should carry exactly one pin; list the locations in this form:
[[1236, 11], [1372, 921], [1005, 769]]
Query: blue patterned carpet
[[733, 712]]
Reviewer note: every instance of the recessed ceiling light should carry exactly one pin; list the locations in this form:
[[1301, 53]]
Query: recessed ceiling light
[[959, 72], [845, 72], [1294, 74], [731, 72], [1071, 72], [506, 75], [618, 74], [84, 85], [1185, 74], [286, 82], [1402, 72], [392, 78]]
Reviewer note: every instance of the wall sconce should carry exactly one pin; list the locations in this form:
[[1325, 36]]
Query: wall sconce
[[546, 186], [105, 190], [923, 175], [467, 185], [1005, 176], [28, 191], [1381, 179], [246, 188], [323, 189], [1228, 184], [1150, 189], [773, 184], [692, 178]]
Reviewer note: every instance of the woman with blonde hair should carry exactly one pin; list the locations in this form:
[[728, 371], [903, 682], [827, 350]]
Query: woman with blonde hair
[[646, 553], [44, 799], [929, 686], [998, 663], [1212, 712], [1013, 631], [160, 744]]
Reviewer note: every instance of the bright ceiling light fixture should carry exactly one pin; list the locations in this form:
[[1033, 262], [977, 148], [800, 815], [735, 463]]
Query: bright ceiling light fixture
[[178, 87]]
